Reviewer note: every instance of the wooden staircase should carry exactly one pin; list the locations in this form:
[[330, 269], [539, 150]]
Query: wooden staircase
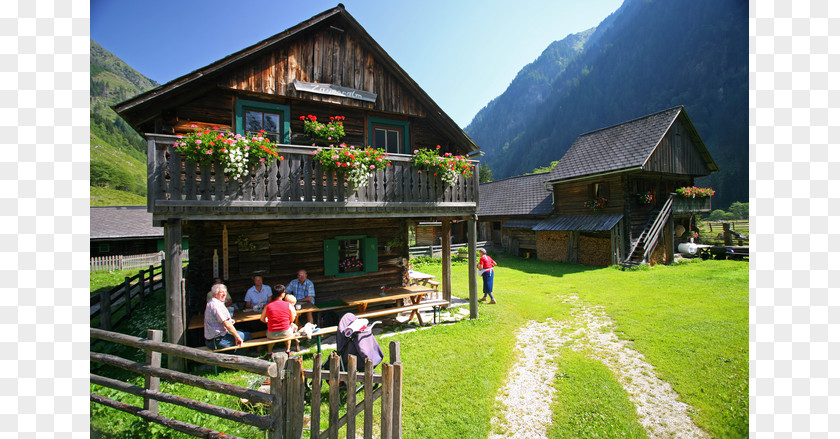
[[643, 246]]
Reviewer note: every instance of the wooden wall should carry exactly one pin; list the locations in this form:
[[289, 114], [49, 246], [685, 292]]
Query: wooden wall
[[676, 154], [570, 196], [325, 55], [281, 248]]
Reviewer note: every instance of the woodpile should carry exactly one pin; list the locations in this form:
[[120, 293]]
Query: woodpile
[[594, 250], [552, 245]]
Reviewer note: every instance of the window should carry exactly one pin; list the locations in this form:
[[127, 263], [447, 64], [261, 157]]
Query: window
[[350, 256], [600, 190], [104, 247], [390, 135], [253, 117]]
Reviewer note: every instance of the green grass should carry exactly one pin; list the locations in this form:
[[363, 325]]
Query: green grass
[[605, 411], [100, 196], [689, 320]]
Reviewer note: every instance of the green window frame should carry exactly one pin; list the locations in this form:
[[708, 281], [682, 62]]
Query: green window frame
[[284, 111], [380, 123], [368, 247]]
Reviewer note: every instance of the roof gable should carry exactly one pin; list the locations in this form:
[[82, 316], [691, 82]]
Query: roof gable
[[626, 146], [271, 66]]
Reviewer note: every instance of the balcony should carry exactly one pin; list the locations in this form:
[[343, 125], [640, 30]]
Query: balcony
[[692, 205], [296, 188]]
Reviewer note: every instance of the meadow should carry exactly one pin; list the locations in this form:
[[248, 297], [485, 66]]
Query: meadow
[[690, 321]]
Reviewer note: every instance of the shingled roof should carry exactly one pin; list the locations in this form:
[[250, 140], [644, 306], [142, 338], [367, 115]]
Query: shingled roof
[[523, 195], [122, 222], [626, 146]]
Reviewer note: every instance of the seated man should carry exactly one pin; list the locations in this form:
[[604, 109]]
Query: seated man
[[303, 290], [219, 331], [258, 295]]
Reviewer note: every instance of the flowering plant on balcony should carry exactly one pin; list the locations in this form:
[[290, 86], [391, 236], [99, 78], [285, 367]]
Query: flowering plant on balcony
[[234, 152], [447, 167], [695, 192], [350, 264], [597, 204], [357, 164], [644, 198], [327, 133]]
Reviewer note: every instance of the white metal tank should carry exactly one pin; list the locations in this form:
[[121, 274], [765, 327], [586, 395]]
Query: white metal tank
[[688, 248]]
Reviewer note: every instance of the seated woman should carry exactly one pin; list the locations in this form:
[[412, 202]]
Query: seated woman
[[278, 316]]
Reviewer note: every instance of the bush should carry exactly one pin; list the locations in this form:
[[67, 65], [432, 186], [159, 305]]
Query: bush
[[717, 214]]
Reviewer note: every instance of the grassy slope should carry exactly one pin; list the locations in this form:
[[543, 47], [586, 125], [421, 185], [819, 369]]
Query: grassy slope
[[100, 196], [690, 321]]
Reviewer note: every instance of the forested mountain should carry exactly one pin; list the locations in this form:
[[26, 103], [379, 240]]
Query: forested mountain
[[647, 56], [117, 152]]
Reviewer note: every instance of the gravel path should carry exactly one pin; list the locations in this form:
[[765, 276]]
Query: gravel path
[[529, 390]]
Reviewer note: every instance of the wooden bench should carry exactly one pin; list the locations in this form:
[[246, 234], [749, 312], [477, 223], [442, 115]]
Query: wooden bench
[[436, 305], [265, 340]]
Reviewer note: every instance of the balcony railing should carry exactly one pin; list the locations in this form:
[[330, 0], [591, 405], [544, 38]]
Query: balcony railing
[[692, 205], [297, 186]]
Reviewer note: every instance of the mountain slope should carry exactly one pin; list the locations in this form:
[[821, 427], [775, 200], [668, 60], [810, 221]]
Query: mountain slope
[[649, 55], [117, 153]]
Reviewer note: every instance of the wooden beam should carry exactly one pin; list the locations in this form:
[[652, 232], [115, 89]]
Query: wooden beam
[[473, 267], [446, 258], [175, 325]]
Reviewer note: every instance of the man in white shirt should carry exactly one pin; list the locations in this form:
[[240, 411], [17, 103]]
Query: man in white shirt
[[258, 295]]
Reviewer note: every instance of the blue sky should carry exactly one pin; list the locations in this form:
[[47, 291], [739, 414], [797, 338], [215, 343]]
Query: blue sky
[[463, 53]]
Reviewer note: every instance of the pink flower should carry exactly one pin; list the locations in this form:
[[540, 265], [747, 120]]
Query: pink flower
[[197, 142], [372, 167]]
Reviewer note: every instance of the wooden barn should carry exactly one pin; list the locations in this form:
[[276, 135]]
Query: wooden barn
[[290, 214], [510, 208], [635, 166]]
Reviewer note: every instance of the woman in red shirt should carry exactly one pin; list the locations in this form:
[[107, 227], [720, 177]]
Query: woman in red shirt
[[278, 315], [485, 265]]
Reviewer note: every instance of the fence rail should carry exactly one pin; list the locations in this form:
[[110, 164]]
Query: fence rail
[[108, 303], [286, 397], [130, 262], [431, 250]]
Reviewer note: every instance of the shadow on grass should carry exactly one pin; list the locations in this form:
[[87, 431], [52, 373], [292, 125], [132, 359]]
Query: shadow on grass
[[536, 266]]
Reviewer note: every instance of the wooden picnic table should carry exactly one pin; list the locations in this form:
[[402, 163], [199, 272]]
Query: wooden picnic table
[[419, 277], [249, 315], [414, 292]]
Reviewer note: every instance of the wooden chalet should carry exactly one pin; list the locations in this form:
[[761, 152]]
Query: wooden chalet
[[510, 208], [290, 214], [654, 154]]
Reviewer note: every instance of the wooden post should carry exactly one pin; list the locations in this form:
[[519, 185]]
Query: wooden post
[[175, 326], [152, 382], [105, 310], [315, 402], [294, 398], [141, 283], [473, 278], [394, 353], [446, 261], [351, 396], [277, 389], [387, 419], [368, 402], [127, 288], [334, 395]]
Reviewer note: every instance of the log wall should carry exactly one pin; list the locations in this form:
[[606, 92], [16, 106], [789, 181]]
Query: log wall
[[570, 196], [677, 154], [278, 249]]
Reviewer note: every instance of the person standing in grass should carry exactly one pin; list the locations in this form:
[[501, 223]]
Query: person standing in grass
[[485, 268]]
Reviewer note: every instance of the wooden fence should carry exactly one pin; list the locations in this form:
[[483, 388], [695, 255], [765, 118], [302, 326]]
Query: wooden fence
[[286, 398], [432, 250], [130, 262], [125, 297]]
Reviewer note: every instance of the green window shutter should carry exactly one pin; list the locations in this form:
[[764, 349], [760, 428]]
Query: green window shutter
[[330, 257], [370, 255]]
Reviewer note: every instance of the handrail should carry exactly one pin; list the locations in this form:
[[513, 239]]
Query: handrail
[[652, 237]]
